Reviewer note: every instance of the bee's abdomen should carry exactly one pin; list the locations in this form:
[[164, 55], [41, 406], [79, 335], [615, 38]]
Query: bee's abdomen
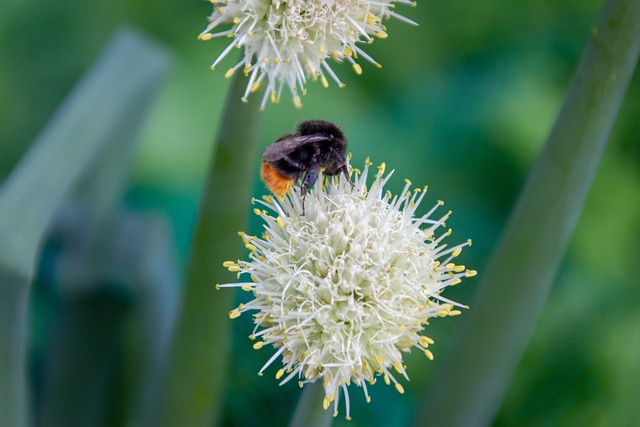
[[275, 180]]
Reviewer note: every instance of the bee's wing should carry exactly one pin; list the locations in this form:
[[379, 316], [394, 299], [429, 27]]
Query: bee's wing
[[287, 145]]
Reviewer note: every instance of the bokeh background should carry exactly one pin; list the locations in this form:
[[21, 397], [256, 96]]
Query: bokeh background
[[463, 103]]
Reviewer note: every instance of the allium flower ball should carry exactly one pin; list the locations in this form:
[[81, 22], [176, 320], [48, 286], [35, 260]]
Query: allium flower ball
[[287, 41], [343, 292]]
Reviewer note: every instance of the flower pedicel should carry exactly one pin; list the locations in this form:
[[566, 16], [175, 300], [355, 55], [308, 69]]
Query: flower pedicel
[[286, 42], [342, 292]]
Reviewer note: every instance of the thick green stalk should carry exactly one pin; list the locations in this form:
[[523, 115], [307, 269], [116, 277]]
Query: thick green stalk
[[197, 370], [469, 388], [309, 411], [125, 74]]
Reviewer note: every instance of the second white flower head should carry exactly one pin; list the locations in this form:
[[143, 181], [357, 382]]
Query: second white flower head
[[287, 41]]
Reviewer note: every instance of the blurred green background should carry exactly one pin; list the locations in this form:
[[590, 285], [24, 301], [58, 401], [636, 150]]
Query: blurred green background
[[463, 103]]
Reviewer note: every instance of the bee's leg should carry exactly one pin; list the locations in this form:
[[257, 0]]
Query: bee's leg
[[308, 180], [345, 171], [343, 168]]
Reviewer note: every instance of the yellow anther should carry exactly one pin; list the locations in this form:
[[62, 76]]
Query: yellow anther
[[205, 36], [372, 19], [387, 381], [455, 281], [246, 288], [470, 273], [280, 222], [357, 68], [257, 211], [258, 345], [425, 341], [450, 266], [382, 35], [325, 403], [228, 264], [457, 252], [250, 247], [378, 359], [236, 20], [234, 268], [428, 354], [324, 81], [234, 314], [297, 102], [399, 388], [280, 373], [382, 168], [455, 313]]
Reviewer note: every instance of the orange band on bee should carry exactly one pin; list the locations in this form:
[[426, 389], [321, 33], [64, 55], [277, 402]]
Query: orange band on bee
[[275, 182]]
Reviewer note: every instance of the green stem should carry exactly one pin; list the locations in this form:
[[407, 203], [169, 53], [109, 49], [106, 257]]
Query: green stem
[[309, 412], [193, 392], [470, 386]]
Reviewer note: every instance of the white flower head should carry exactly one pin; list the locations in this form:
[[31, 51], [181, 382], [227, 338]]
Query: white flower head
[[344, 291], [287, 41]]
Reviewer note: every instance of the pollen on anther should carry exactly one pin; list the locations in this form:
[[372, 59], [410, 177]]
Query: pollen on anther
[[325, 403]]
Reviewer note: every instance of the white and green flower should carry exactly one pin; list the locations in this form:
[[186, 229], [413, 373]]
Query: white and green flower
[[288, 41], [344, 291]]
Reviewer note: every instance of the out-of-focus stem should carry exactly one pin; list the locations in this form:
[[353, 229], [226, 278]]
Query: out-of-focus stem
[[469, 388], [197, 371], [309, 412]]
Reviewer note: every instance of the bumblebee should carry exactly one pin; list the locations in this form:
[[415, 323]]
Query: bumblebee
[[316, 146]]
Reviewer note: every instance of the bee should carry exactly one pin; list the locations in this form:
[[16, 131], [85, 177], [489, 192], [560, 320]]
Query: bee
[[316, 146]]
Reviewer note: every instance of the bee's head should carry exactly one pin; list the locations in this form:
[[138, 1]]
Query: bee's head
[[321, 127]]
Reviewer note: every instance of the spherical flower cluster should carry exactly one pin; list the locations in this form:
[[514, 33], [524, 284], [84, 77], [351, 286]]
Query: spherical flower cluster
[[286, 41], [345, 290]]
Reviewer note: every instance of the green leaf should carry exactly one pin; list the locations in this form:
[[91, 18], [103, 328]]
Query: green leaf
[[470, 386], [121, 81]]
